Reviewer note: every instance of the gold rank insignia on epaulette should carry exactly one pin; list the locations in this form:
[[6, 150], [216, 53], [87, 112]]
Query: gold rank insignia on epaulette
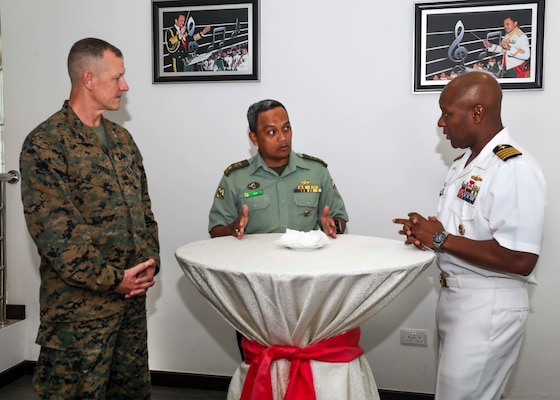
[[506, 151], [458, 157], [234, 166], [308, 157]]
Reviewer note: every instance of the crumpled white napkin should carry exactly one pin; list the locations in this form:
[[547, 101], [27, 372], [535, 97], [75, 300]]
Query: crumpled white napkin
[[303, 240]]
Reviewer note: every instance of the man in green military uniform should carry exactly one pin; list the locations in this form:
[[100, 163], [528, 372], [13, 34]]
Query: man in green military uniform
[[87, 208], [277, 189]]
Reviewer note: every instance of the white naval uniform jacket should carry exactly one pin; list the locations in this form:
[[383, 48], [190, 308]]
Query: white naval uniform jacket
[[496, 199]]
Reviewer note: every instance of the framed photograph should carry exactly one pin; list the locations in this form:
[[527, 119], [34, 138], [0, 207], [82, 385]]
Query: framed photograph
[[205, 40], [502, 37]]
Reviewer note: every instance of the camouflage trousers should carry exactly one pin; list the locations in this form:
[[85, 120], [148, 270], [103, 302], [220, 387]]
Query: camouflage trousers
[[99, 359]]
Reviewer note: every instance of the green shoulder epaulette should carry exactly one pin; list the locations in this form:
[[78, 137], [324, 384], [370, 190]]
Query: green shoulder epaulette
[[234, 166], [308, 157], [459, 157], [506, 151]]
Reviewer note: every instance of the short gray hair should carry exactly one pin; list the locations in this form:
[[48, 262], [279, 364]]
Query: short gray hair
[[86, 53]]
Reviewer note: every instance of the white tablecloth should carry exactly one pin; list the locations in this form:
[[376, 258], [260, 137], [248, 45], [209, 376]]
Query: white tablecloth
[[280, 296]]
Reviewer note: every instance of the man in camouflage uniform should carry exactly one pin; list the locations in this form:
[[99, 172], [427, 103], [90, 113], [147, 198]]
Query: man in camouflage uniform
[[277, 189], [87, 209]]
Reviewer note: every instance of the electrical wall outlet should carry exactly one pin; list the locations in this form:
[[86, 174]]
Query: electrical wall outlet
[[414, 337]]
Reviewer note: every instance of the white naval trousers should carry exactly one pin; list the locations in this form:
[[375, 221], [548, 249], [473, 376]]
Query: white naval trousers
[[481, 323]]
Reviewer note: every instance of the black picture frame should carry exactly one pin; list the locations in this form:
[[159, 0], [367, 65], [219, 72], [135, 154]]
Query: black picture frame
[[211, 28], [449, 39]]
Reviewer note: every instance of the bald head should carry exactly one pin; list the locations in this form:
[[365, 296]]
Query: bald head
[[476, 88], [471, 105]]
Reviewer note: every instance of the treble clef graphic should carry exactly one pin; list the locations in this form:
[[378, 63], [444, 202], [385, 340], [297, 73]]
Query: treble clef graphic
[[456, 52]]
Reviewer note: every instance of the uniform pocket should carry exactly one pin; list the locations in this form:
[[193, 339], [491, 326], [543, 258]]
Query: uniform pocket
[[463, 210], [307, 199], [306, 213], [464, 217], [256, 203], [261, 217]]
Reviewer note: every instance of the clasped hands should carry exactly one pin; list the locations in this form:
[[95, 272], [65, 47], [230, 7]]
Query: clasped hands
[[419, 231], [138, 279], [237, 227]]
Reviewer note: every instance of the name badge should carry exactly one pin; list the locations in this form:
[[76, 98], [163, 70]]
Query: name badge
[[253, 193]]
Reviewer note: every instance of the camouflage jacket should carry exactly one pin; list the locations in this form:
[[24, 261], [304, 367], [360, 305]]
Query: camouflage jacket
[[88, 211]]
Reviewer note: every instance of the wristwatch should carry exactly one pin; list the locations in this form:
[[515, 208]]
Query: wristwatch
[[338, 226], [439, 239]]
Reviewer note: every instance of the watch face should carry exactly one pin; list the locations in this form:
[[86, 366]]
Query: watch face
[[439, 238]]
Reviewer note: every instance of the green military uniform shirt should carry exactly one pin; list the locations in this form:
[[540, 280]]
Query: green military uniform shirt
[[294, 200]]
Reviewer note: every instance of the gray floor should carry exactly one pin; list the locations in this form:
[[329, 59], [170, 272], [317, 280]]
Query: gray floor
[[21, 389]]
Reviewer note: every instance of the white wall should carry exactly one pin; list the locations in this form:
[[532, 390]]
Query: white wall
[[12, 347], [343, 70]]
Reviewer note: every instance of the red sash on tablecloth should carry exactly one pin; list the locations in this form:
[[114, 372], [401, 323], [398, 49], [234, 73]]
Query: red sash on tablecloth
[[258, 383]]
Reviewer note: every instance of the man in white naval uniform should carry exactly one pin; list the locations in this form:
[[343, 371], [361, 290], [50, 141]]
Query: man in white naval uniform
[[487, 235], [514, 48]]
